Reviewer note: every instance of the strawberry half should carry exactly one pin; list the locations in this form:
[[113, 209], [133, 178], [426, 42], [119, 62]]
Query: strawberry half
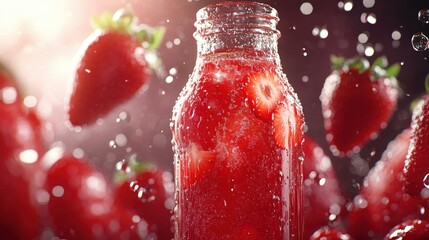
[[199, 163], [416, 170], [287, 126], [112, 67], [357, 101], [263, 91]]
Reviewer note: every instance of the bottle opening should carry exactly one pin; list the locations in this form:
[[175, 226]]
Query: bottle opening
[[237, 17]]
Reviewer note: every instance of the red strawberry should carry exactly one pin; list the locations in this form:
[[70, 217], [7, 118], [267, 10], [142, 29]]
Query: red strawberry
[[112, 68], [357, 101], [416, 168], [382, 202], [323, 203], [81, 204], [148, 192], [326, 233], [409, 230], [264, 91], [21, 145], [287, 125]]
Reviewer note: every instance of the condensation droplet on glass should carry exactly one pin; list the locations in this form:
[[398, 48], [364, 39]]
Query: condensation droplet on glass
[[30, 101], [426, 181], [368, 3], [423, 16], [306, 8], [419, 42]]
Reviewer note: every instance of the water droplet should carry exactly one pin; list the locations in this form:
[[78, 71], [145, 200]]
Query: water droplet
[[123, 166], [426, 181], [419, 42], [78, 153], [112, 144], [123, 116], [305, 78], [363, 38], [306, 8], [172, 71], [371, 18], [348, 6], [396, 35], [8, 95], [28, 156], [423, 16], [30, 101], [369, 3], [121, 140]]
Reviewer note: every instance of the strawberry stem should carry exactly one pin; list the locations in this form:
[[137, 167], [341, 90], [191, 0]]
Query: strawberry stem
[[124, 21]]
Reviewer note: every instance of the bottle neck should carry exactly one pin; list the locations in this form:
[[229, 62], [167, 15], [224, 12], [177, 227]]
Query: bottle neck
[[243, 29]]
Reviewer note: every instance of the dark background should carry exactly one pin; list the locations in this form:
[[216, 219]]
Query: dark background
[[147, 125]]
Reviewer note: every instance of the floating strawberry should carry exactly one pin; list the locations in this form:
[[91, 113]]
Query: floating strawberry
[[410, 230], [21, 145], [148, 192], [112, 67], [416, 170], [382, 202], [326, 233], [264, 92], [81, 204], [323, 203], [357, 101]]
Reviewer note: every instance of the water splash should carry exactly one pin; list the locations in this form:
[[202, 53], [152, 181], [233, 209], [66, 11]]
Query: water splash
[[420, 41]]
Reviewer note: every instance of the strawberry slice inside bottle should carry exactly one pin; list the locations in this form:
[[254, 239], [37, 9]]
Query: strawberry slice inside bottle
[[286, 125], [263, 91], [199, 162]]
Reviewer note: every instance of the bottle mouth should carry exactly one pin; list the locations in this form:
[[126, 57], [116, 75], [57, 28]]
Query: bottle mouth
[[237, 17]]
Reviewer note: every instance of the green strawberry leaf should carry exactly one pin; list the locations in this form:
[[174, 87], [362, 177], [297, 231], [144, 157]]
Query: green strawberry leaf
[[134, 166], [380, 62], [124, 21], [393, 70], [337, 62]]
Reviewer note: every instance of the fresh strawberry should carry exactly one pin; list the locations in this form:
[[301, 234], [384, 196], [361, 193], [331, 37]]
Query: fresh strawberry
[[416, 170], [264, 92], [287, 125], [81, 204], [199, 162], [382, 202], [326, 233], [19, 218], [357, 101], [21, 146], [409, 230], [112, 67], [323, 203], [148, 192]]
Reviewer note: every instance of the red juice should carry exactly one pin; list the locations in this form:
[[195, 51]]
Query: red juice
[[237, 133]]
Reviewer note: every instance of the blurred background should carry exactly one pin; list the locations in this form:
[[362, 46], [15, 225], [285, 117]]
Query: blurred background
[[39, 41]]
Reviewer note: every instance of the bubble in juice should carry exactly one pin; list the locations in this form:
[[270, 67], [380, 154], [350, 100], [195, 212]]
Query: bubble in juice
[[424, 16], [419, 42]]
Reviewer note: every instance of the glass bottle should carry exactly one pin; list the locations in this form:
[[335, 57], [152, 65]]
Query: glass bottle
[[237, 132]]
